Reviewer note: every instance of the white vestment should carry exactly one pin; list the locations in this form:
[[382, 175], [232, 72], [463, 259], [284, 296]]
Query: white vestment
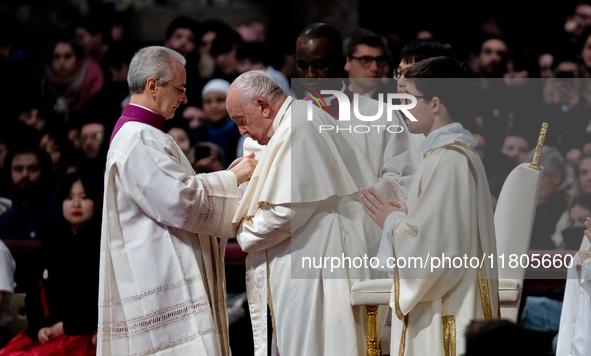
[[575, 319], [7, 267], [314, 212], [162, 283], [393, 155], [449, 214]]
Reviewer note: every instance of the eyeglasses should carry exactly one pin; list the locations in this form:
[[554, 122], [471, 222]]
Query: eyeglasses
[[182, 91], [403, 101], [366, 61], [398, 73], [95, 137]]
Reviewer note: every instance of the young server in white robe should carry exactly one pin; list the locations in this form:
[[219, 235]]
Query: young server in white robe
[[162, 289], [448, 213]]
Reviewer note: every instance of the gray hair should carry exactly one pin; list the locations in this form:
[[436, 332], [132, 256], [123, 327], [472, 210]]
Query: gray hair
[[550, 159], [256, 84], [154, 61]]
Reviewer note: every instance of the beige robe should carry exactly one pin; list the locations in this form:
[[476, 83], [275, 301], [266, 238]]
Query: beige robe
[[303, 201], [449, 212], [162, 283], [575, 318], [394, 157]]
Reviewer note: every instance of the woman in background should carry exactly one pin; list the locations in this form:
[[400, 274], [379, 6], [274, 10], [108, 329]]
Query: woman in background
[[71, 79], [61, 303], [581, 186]]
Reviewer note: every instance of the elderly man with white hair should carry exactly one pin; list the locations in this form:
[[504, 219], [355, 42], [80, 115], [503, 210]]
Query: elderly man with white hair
[[301, 208], [162, 289]]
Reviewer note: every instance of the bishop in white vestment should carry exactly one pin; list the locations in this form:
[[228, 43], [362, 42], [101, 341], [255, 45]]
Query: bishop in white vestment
[[162, 288]]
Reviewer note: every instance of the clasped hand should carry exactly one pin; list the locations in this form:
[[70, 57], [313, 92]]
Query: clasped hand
[[378, 207], [243, 167]]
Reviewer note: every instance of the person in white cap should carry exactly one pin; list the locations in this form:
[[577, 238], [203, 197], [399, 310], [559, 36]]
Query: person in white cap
[[218, 128]]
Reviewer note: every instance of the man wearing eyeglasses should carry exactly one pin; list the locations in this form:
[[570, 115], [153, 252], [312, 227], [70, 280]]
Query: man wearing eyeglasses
[[92, 135], [366, 63], [162, 288], [93, 144], [319, 63]]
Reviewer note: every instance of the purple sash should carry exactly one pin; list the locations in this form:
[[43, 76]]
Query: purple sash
[[136, 113]]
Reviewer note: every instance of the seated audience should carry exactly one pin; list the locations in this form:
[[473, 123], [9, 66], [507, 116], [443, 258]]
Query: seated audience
[[94, 140], [571, 159], [223, 51], [578, 213], [567, 99], [33, 115], [515, 146], [183, 35], [60, 150], [581, 185], [256, 56], [33, 212], [552, 202], [62, 298], [71, 79]]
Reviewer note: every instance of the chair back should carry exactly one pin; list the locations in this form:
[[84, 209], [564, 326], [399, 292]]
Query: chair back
[[514, 219], [514, 215]]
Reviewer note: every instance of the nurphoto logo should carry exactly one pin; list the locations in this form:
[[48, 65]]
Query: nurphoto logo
[[345, 105]]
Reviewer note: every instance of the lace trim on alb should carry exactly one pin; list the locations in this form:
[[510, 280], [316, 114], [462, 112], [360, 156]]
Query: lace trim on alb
[[172, 343], [206, 217], [162, 288], [206, 206], [155, 320], [224, 201], [396, 193]]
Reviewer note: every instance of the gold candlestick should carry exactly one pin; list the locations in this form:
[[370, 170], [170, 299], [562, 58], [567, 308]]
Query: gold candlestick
[[534, 162]]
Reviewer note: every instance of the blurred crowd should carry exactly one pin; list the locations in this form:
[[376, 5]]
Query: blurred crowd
[[61, 100]]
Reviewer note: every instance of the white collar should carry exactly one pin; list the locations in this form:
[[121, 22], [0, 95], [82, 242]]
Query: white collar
[[143, 107], [280, 115], [454, 131]]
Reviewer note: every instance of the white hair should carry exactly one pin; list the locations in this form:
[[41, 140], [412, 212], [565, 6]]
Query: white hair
[[154, 61], [256, 84], [550, 159]]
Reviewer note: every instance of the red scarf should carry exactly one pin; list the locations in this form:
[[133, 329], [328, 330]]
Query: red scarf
[[79, 89]]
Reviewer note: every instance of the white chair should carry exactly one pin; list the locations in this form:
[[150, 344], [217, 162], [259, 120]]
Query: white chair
[[514, 219], [371, 294]]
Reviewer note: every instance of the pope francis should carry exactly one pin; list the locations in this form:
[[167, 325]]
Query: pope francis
[[301, 209]]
